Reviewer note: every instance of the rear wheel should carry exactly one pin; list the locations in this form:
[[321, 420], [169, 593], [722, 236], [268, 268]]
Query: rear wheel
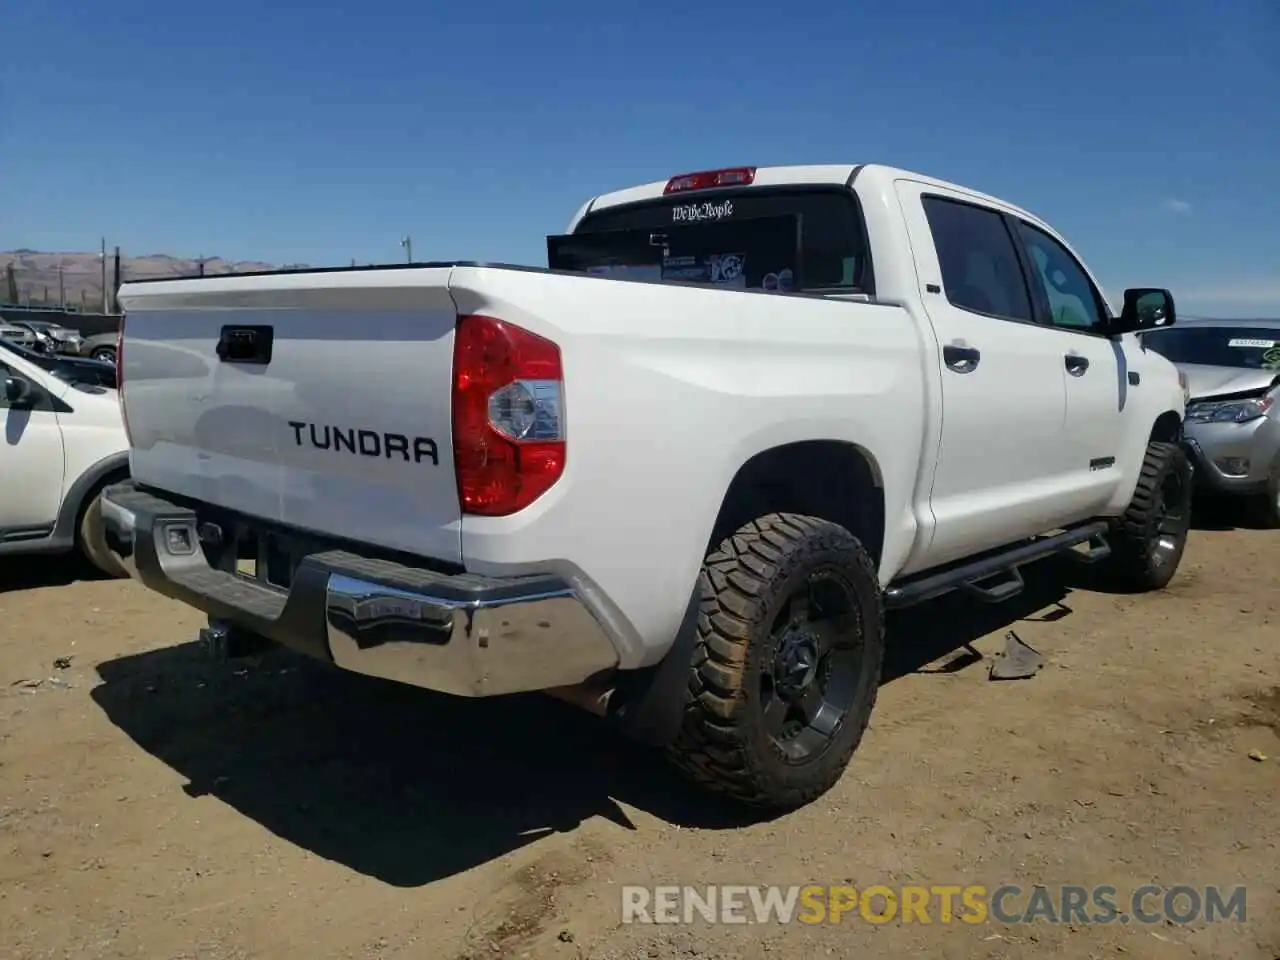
[[105, 354], [92, 540], [1147, 543], [786, 667]]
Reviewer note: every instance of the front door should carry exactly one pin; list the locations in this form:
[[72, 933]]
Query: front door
[[1093, 366], [31, 461]]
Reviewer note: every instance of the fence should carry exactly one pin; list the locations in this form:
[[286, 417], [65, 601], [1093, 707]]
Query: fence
[[75, 281]]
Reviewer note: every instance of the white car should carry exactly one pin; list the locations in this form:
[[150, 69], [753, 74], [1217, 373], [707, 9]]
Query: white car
[[676, 477], [63, 442]]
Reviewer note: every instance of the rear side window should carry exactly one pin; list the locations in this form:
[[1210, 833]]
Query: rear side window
[[980, 268], [831, 254]]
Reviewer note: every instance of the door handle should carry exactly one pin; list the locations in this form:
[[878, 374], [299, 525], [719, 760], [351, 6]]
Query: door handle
[[960, 358], [1076, 364]]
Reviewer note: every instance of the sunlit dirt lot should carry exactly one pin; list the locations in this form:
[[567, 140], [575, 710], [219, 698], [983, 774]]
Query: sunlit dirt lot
[[156, 805]]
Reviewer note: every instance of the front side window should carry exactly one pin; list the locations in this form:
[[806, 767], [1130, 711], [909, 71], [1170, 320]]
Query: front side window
[[980, 269], [1073, 301]]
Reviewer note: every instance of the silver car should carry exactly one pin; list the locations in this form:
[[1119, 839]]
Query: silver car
[[54, 337], [15, 334], [1232, 371]]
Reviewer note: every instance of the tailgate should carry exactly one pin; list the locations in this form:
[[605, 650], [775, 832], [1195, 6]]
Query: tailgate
[[317, 400]]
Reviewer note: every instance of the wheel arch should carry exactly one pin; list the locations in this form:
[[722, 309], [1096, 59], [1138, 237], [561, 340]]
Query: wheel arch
[[1167, 428], [110, 469], [833, 480]]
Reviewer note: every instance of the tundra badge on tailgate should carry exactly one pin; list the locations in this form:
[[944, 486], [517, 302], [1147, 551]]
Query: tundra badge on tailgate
[[365, 443]]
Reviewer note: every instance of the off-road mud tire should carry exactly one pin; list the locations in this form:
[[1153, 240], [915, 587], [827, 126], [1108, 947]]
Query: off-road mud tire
[[1134, 564], [744, 582]]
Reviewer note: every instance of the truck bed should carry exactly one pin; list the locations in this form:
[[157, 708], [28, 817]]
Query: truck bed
[[648, 368]]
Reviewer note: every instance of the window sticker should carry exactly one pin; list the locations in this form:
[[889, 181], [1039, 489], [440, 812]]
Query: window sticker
[[1246, 343], [722, 269], [698, 212], [1271, 359], [728, 268], [622, 271]]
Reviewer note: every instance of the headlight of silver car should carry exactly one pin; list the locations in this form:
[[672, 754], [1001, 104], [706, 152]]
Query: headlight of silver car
[[1231, 411]]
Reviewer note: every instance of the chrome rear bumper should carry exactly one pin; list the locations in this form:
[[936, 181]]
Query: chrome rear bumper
[[460, 634]]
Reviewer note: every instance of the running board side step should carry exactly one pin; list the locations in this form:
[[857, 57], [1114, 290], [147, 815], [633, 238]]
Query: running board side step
[[970, 576], [1098, 549]]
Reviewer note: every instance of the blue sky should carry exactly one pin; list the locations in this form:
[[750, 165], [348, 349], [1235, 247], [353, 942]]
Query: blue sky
[[1148, 131]]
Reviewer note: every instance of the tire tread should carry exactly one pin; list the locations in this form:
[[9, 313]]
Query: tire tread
[[713, 746]]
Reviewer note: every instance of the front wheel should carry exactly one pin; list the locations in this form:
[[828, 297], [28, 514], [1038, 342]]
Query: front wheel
[[1148, 541], [786, 667], [105, 354]]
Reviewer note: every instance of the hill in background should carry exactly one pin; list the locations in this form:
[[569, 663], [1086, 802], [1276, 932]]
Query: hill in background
[[36, 274]]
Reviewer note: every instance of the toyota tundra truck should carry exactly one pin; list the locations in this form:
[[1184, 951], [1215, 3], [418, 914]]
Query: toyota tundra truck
[[677, 476]]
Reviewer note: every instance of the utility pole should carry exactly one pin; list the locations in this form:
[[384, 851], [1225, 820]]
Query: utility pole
[[103, 257], [407, 243], [62, 287]]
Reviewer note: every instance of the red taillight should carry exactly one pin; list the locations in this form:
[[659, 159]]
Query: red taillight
[[508, 416], [707, 179], [120, 378]]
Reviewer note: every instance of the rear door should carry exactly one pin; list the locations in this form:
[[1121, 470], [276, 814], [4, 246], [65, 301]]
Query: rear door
[[316, 400], [1001, 464]]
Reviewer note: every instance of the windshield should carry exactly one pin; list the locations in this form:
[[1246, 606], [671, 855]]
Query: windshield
[[1250, 348], [781, 239]]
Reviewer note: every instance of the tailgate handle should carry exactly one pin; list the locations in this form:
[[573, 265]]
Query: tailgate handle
[[245, 344]]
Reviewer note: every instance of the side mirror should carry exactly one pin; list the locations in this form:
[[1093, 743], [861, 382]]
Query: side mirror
[[1145, 308], [18, 391]]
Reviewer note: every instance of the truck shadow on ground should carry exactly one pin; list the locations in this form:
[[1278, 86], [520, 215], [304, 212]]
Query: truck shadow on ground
[[1212, 512], [410, 787]]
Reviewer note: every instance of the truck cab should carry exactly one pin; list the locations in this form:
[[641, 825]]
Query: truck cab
[[1045, 404]]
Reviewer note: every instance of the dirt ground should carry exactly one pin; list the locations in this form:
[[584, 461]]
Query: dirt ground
[[156, 805]]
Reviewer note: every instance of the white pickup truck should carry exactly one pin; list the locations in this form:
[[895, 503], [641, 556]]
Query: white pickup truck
[[676, 477]]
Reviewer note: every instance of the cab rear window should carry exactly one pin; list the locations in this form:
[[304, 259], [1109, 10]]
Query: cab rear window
[[804, 239]]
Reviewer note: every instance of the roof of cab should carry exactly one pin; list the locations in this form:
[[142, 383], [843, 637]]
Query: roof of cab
[[881, 178]]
